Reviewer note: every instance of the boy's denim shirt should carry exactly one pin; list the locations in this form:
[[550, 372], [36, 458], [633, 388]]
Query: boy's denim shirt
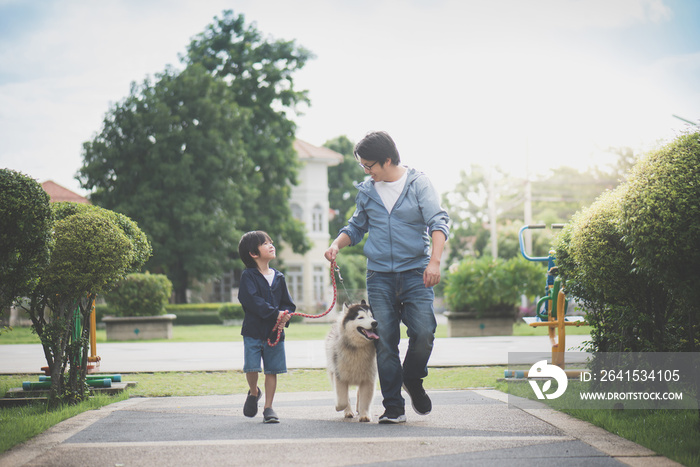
[[399, 241]]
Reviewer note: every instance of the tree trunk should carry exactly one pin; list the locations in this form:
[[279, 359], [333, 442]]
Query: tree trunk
[[180, 295], [180, 283]]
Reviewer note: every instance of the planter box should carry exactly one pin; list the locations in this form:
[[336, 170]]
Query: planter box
[[466, 324], [130, 328]]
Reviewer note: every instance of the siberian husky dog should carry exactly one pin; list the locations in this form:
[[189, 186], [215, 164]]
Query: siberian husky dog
[[352, 358]]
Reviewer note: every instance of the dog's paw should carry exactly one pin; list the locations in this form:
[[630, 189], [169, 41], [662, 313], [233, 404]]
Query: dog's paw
[[349, 414], [365, 418]]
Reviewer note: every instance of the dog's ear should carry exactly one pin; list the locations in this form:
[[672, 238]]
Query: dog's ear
[[363, 303]]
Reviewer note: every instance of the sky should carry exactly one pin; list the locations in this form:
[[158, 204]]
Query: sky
[[522, 84]]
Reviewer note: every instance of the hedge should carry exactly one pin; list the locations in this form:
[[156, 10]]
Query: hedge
[[632, 256], [628, 310], [195, 313], [187, 314], [140, 295]]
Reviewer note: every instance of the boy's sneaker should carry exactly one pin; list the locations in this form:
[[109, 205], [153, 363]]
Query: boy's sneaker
[[250, 408], [269, 416], [419, 399], [393, 415]]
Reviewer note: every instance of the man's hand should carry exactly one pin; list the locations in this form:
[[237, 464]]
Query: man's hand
[[431, 276], [331, 253], [342, 241]]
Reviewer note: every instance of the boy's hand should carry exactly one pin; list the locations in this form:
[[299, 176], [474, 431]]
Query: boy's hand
[[283, 316]]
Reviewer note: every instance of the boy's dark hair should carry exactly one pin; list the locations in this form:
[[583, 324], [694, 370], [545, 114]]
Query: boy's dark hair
[[377, 146], [250, 243]]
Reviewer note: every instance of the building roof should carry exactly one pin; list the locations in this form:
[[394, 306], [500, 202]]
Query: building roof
[[309, 151], [58, 193]]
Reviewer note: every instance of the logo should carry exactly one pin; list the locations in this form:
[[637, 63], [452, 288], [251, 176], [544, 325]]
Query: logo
[[542, 369]]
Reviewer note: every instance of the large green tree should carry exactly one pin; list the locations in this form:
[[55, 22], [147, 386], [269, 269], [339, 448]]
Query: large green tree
[[468, 206], [170, 157], [556, 194], [202, 155], [341, 182], [260, 72]]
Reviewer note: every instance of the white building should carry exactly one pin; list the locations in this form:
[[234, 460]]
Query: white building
[[308, 276]]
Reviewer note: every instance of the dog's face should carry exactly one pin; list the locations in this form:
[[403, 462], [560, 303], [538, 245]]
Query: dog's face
[[358, 318]]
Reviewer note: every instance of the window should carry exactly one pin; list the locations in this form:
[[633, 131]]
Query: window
[[319, 293], [295, 281], [317, 219], [222, 288]]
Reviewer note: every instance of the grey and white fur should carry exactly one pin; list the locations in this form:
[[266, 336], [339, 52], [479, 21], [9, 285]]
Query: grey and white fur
[[352, 358]]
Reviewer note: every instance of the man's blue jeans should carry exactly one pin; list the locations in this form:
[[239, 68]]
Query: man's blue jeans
[[394, 298]]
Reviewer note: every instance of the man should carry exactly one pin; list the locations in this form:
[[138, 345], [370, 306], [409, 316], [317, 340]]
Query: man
[[400, 209]]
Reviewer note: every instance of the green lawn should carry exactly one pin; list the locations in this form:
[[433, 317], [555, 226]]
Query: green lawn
[[672, 433]]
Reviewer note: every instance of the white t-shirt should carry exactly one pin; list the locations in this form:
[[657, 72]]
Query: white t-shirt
[[390, 191], [270, 276]]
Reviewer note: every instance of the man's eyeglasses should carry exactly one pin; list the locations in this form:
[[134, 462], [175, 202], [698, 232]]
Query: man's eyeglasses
[[367, 167]]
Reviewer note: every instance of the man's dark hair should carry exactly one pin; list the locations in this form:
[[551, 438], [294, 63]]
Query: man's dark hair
[[377, 146], [250, 243]]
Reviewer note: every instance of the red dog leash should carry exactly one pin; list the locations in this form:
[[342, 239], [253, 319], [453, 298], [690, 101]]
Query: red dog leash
[[278, 326]]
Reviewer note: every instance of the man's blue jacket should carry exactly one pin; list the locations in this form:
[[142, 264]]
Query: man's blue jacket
[[398, 241]]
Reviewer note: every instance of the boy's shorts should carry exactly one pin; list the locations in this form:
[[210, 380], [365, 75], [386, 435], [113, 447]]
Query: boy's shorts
[[273, 358]]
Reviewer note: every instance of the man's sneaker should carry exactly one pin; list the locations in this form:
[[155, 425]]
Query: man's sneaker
[[250, 408], [269, 416], [419, 399], [393, 415]]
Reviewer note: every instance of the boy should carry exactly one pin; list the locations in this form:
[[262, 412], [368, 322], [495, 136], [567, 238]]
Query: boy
[[265, 299]]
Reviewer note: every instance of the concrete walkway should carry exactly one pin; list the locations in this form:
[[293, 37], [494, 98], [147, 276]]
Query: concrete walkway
[[134, 357], [467, 427]]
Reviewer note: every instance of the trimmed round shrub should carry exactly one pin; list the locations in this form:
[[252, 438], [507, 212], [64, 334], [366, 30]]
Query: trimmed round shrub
[[90, 254], [627, 310], [140, 294], [661, 216], [141, 247], [25, 235]]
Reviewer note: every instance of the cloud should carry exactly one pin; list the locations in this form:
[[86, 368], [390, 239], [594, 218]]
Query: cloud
[[451, 80]]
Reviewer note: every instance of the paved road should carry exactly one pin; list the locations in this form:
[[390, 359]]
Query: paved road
[[465, 428], [214, 356]]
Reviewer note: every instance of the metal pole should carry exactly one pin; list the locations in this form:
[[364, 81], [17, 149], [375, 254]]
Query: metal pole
[[528, 198], [492, 215], [683, 119]]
